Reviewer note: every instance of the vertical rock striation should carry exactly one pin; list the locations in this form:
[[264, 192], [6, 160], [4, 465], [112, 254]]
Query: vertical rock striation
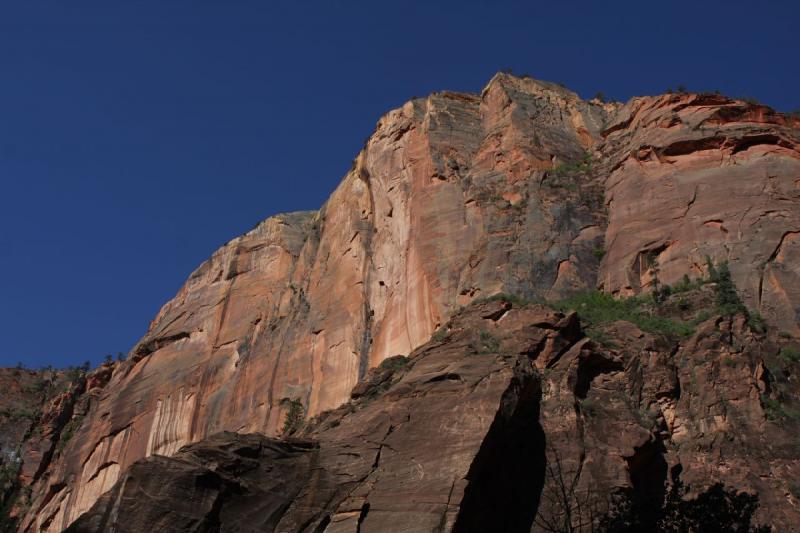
[[475, 429], [524, 189]]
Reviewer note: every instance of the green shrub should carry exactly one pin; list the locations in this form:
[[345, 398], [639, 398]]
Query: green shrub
[[597, 308], [772, 407], [69, 431], [789, 354], [756, 321], [294, 417], [398, 362], [726, 297], [701, 317], [8, 474], [440, 334], [685, 284], [486, 343], [583, 165], [775, 409], [35, 387], [647, 418], [661, 293], [599, 252], [23, 414]]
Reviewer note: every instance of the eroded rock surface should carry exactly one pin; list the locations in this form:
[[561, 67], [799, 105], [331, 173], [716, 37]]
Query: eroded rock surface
[[457, 437], [399, 457], [524, 189], [40, 410], [696, 176]]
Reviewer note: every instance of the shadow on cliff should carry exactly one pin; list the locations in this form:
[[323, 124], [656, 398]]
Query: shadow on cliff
[[507, 475]]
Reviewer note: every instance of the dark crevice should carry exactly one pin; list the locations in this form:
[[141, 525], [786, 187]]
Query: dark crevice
[[506, 477], [769, 261], [156, 344], [362, 515], [648, 472], [449, 376], [494, 316], [692, 145], [323, 524], [589, 367], [212, 482], [754, 140], [443, 521], [369, 313]]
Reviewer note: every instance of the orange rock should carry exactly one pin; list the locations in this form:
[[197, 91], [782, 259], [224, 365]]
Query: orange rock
[[454, 197]]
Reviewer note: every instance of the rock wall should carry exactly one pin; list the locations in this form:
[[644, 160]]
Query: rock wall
[[696, 176], [523, 189], [474, 430]]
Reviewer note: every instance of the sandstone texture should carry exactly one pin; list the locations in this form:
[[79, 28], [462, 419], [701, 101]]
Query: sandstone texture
[[40, 411], [523, 189], [696, 176], [20, 403], [457, 436]]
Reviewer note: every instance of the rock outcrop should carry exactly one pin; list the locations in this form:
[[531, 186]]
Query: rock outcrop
[[457, 436], [523, 189], [20, 403], [696, 176], [39, 413]]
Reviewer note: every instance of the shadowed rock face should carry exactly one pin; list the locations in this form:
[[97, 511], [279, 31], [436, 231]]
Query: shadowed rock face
[[454, 197], [457, 437], [398, 458], [39, 412], [21, 399]]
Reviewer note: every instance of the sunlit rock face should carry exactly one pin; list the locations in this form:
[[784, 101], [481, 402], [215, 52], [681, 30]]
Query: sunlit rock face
[[454, 197], [700, 176]]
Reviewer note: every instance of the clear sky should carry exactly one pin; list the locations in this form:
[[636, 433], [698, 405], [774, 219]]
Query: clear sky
[[138, 136]]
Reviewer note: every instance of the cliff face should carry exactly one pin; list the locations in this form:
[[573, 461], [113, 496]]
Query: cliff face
[[475, 430], [39, 413], [700, 175], [523, 189]]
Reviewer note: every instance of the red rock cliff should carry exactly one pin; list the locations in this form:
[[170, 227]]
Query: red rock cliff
[[454, 197]]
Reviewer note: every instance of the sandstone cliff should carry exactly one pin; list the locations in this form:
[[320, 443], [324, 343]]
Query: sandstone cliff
[[462, 436], [523, 189]]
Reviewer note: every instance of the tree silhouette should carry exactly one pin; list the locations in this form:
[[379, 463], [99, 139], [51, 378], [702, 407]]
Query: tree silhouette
[[716, 510], [564, 507], [567, 506]]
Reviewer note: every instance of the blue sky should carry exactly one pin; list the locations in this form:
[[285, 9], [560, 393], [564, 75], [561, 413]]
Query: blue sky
[[137, 137]]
